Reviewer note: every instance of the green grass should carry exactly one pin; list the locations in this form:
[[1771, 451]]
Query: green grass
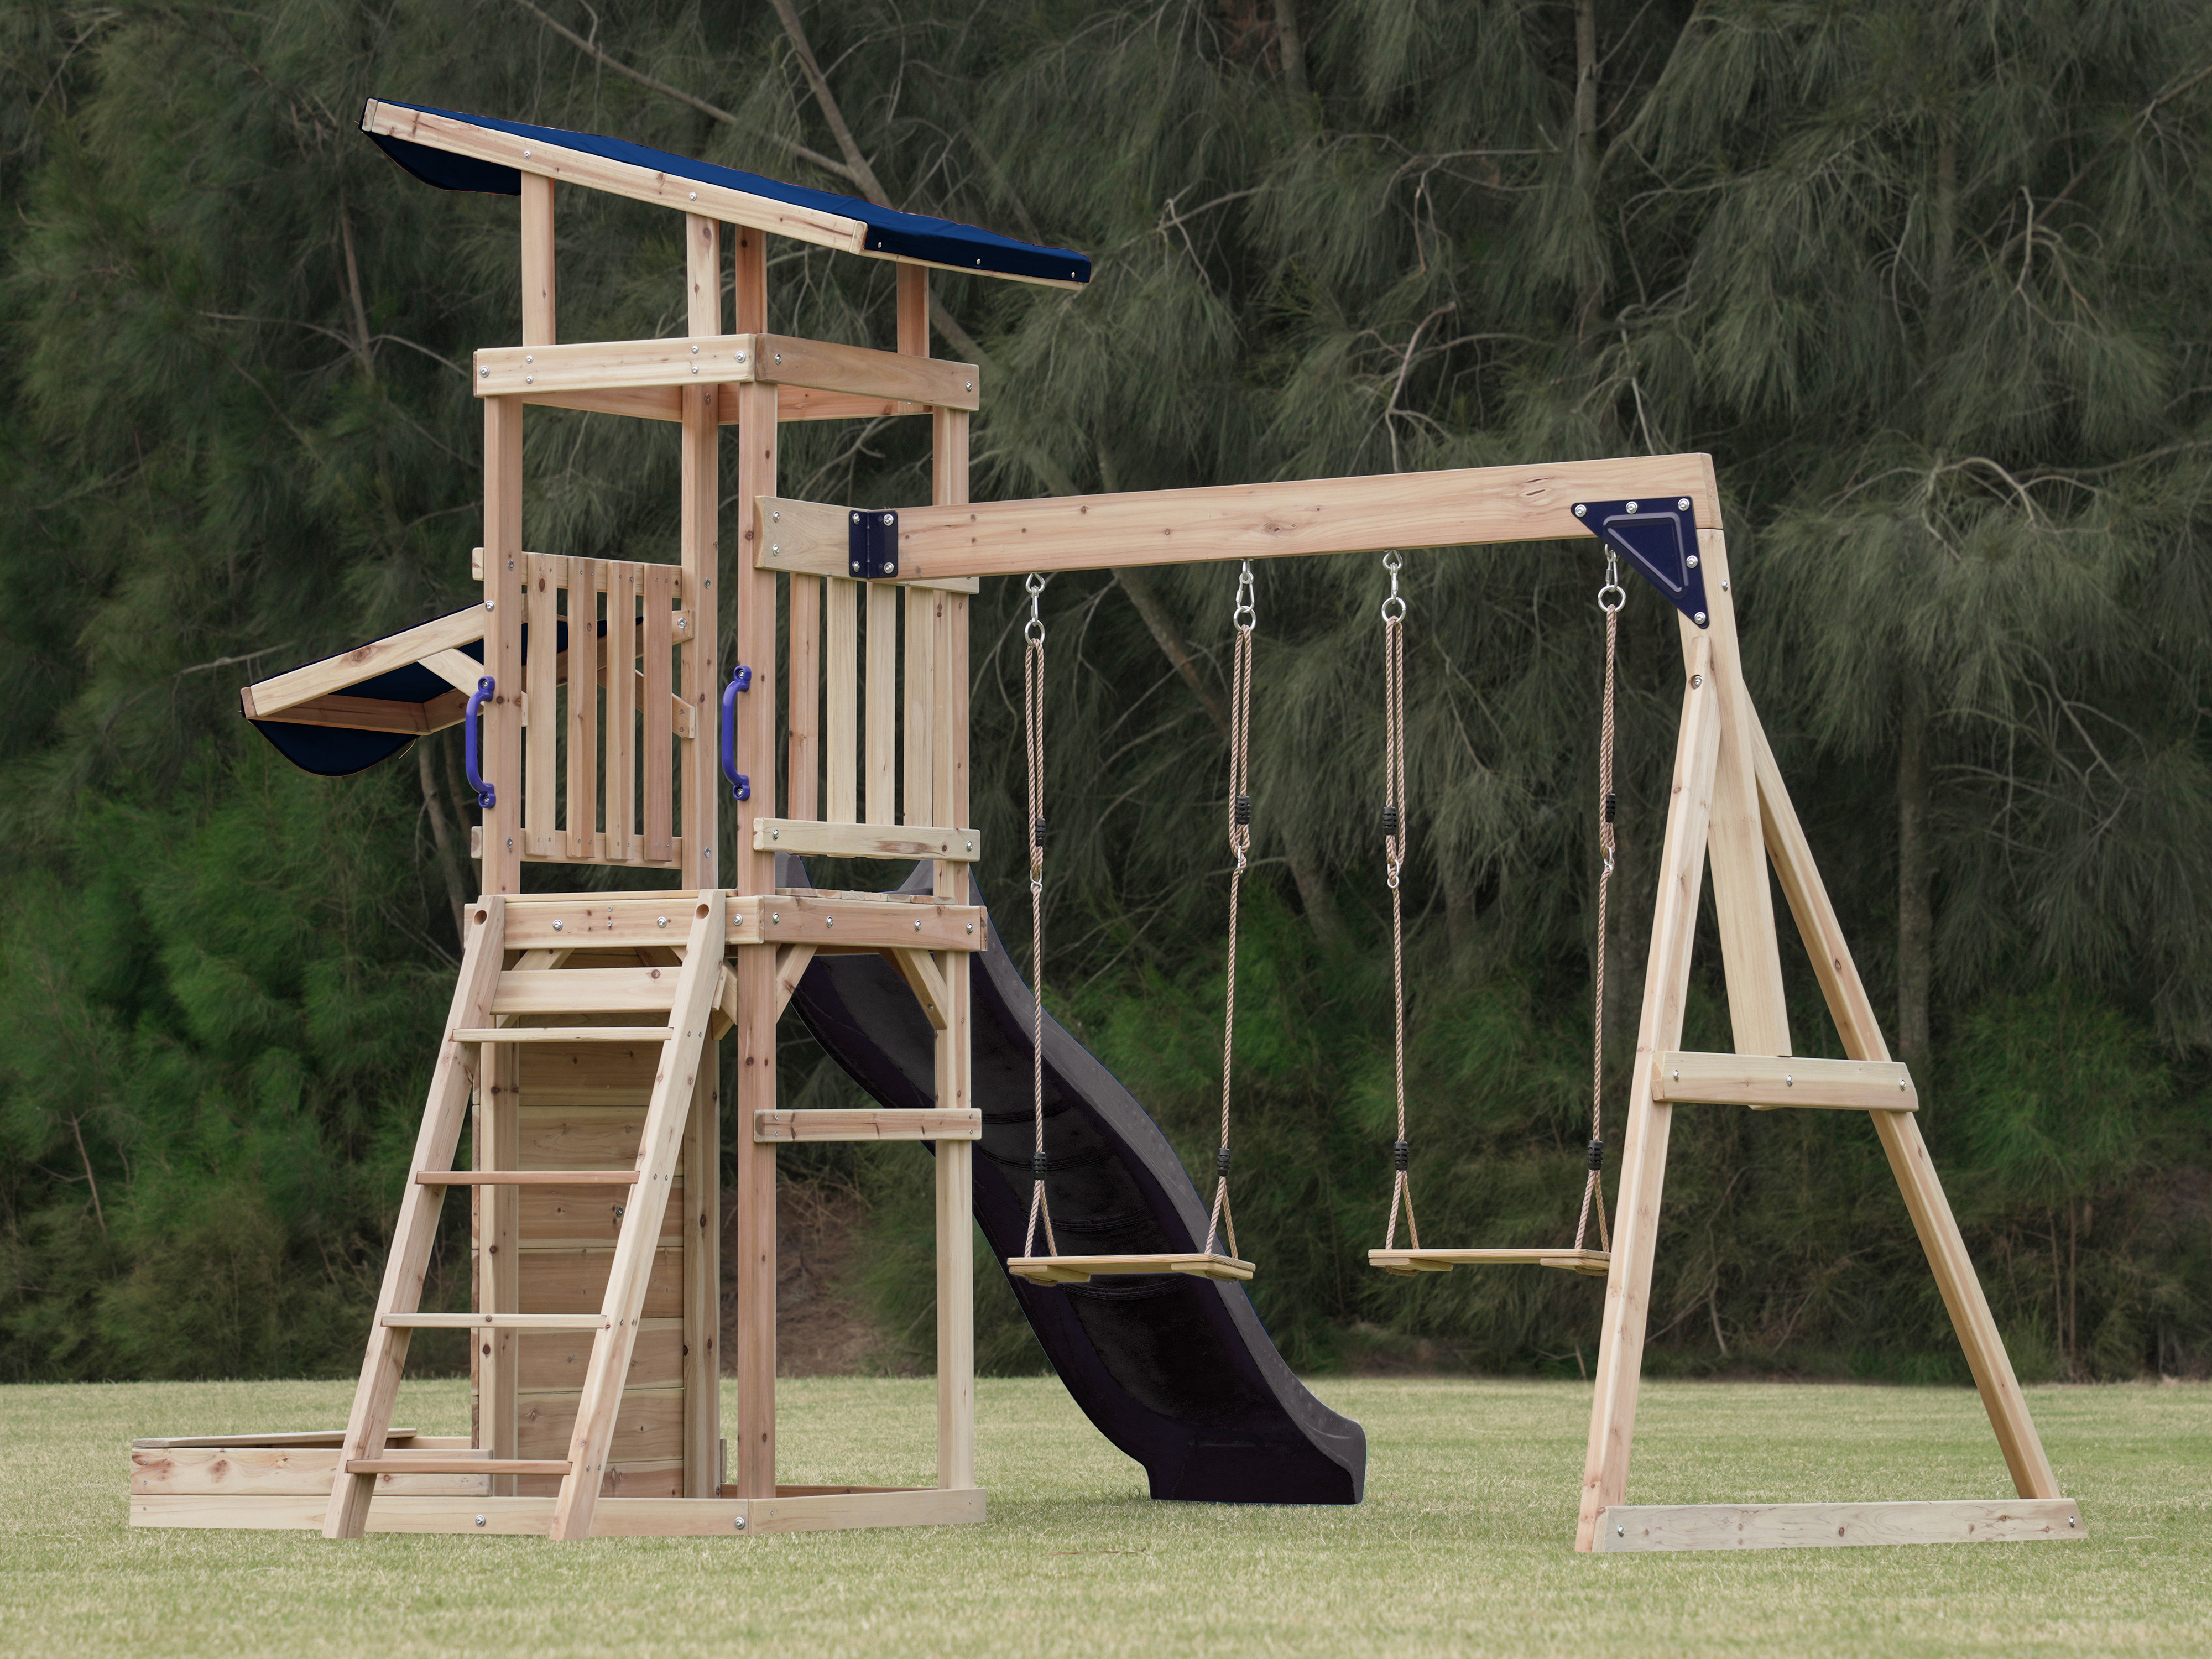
[[1462, 1546]]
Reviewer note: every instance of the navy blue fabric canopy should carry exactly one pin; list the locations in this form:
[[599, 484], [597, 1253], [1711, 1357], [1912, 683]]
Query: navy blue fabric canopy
[[907, 235], [339, 751]]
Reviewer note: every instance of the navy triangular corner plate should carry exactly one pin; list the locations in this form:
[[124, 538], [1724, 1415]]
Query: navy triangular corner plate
[[1659, 540]]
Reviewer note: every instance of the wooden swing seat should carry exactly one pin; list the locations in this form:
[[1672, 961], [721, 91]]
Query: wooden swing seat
[[1078, 1269], [1406, 1263]]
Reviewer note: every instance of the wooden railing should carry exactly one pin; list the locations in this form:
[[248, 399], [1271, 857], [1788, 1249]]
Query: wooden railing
[[605, 724]]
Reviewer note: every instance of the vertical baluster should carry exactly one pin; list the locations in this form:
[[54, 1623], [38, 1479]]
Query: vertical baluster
[[883, 687], [583, 656], [653, 691], [802, 791], [841, 701], [622, 710], [544, 576], [920, 782]]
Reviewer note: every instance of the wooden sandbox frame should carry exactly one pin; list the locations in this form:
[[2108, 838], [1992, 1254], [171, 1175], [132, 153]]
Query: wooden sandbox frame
[[582, 1043]]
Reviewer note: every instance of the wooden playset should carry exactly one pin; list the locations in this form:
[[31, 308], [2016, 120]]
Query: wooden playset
[[584, 1044]]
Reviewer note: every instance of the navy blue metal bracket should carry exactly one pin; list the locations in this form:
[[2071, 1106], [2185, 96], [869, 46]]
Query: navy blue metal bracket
[[872, 543], [1659, 539]]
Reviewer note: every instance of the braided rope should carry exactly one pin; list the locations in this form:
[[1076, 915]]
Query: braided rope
[[1033, 718], [1593, 1189], [1240, 842], [1394, 834]]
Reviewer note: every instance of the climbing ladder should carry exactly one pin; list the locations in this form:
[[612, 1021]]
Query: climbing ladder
[[490, 991]]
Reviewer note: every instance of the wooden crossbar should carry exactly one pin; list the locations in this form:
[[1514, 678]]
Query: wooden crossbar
[[1627, 1527], [1763, 1082]]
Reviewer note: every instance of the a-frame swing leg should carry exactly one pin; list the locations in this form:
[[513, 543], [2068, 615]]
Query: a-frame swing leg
[[1644, 1168], [1900, 1136]]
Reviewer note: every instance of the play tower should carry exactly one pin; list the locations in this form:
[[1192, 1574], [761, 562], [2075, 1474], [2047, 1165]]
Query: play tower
[[608, 720]]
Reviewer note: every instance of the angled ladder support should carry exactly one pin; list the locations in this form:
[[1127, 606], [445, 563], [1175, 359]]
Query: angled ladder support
[[451, 1082]]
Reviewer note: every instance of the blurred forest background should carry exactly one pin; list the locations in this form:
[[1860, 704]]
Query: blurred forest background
[[1930, 278]]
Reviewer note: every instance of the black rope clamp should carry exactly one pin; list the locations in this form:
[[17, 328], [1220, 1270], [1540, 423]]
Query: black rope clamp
[[1612, 801], [1389, 820], [1039, 1165], [1402, 1156], [1221, 1163], [1596, 1156], [1037, 833], [1243, 809]]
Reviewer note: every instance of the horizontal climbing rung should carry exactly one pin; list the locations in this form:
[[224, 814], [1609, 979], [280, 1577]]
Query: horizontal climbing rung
[[526, 1178], [865, 840], [1763, 1082], [586, 991], [499, 1322], [1405, 1263], [891, 1123], [430, 1464], [1075, 1269], [564, 1033]]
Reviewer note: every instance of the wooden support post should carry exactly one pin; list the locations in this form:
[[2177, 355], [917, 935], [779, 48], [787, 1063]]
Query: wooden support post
[[538, 304], [1666, 987], [752, 1247], [501, 746], [1743, 898], [499, 1263], [937, 622], [699, 655], [1900, 1137], [702, 1280]]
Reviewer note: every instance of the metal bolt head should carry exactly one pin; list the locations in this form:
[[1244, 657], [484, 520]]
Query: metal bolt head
[[660, 922], [1723, 587], [971, 927], [1683, 504], [739, 1522], [695, 349], [480, 1520], [557, 924], [741, 357], [775, 835], [527, 358], [779, 359], [1580, 512], [828, 921], [1620, 1532], [491, 605], [1788, 1081], [917, 928], [1692, 561], [1632, 506], [484, 374], [1699, 619], [694, 195], [891, 518], [775, 916], [530, 379], [1697, 680], [969, 385], [775, 518]]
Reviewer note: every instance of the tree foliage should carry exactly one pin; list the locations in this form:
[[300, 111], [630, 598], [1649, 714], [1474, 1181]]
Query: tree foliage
[[1926, 280]]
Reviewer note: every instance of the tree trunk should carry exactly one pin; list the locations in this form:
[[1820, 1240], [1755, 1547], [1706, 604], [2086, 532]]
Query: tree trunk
[[1916, 915]]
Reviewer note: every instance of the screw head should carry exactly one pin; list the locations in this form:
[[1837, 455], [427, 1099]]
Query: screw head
[[775, 835], [491, 605], [660, 922], [970, 386], [484, 374], [1620, 1532], [695, 349], [917, 928], [741, 357], [1692, 561], [779, 360], [694, 195], [1581, 511], [828, 921], [1699, 619], [775, 916], [530, 379], [1697, 680], [1683, 504], [1632, 506], [739, 1522], [1788, 1081], [1723, 587], [528, 358], [971, 927], [891, 518], [557, 924], [775, 518], [480, 1520]]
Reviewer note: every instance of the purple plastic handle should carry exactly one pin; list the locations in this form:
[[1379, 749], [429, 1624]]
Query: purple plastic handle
[[473, 741], [741, 786]]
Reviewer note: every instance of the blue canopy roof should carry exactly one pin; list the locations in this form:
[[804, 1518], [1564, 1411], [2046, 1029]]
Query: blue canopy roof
[[898, 235]]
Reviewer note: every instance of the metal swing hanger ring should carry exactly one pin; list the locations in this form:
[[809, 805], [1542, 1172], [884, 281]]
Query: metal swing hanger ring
[[1619, 595], [1243, 617], [1393, 607], [1034, 632]]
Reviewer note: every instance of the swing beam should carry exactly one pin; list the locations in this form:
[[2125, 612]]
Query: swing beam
[[1727, 808]]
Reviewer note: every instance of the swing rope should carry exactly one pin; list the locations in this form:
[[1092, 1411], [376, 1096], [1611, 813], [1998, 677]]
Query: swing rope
[[1033, 716], [1240, 842], [1394, 834], [1610, 599]]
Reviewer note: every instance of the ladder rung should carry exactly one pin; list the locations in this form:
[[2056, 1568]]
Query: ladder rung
[[586, 991], [498, 1322], [564, 1034], [430, 1464], [527, 1177]]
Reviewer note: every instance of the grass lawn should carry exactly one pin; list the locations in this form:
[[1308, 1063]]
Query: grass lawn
[[1462, 1546]]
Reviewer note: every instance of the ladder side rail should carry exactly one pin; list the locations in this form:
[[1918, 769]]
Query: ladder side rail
[[452, 1079], [659, 1146]]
